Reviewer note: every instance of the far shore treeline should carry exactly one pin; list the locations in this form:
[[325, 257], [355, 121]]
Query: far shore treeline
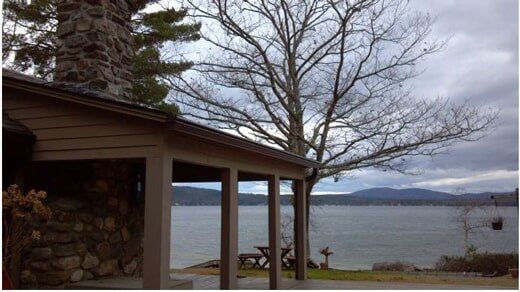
[[190, 196]]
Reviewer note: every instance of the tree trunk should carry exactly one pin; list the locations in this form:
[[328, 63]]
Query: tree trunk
[[14, 269], [308, 189]]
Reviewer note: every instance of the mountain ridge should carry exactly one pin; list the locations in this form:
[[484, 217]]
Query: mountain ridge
[[184, 195]]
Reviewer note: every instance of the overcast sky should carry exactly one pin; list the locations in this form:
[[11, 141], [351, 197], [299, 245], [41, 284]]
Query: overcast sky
[[480, 63]]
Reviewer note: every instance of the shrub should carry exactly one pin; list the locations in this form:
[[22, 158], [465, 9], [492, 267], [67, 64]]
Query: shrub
[[486, 263], [20, 212]]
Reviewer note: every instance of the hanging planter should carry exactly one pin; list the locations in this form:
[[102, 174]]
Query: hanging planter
[[497, 223]]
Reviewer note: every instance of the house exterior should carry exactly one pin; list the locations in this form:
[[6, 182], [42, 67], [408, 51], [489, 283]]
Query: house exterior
[[88, 149], [108, 165]]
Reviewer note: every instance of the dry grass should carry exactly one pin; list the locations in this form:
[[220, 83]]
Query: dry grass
[[504, 281]]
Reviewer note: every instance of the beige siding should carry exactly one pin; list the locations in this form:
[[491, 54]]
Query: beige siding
[[64, 129], [191, 150]]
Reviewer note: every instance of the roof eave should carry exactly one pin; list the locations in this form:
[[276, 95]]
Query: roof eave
[[171, 121], [197, 130], [90, 100]]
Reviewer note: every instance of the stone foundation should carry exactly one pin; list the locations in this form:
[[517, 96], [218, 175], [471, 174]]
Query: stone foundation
[[97, 226]]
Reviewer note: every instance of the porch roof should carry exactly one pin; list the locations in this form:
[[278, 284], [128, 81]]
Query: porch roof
[[12, 125], [172, 122]]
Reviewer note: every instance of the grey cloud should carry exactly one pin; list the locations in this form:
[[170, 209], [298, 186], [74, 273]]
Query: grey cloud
[[480, 63]]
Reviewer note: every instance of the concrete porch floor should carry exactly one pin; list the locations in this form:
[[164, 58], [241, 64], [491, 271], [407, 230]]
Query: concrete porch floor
[[205, 282], [124, 283], [182, 281]]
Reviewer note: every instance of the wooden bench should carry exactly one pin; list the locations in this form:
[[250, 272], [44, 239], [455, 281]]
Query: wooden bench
[[244, 257], [290, 262]]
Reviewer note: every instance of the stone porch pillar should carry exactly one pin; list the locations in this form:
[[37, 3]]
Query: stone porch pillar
[[157, 220]]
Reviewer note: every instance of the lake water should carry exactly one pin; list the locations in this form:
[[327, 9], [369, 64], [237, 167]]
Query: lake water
[[358, 235]]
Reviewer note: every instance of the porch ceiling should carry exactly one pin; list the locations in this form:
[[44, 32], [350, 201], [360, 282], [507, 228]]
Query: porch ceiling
[[184, 172]]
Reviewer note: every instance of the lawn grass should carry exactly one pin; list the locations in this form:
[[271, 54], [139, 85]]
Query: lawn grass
[[504, 281]]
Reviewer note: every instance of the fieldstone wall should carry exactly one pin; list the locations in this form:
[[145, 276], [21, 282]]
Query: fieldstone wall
[[97, 227], [95, 46]]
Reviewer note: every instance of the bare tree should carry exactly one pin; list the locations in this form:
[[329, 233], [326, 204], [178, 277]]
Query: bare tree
[[324, 79], [469, 223]]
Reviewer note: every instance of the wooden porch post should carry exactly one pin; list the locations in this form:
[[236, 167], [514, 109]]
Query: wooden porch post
[[275, 265], [229, 229], [301, 232], [157, 220]]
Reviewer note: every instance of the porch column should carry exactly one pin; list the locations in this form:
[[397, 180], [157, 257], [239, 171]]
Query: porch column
[[300, 230], [275, 265], [229, 229], [157, 220]]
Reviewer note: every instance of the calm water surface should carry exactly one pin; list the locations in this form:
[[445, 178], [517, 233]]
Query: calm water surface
[[358, 235]]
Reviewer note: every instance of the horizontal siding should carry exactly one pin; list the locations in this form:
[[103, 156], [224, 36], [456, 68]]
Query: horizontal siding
[[42, 111], [95, 142], [10, 102], [101, 153], [104, 130], [61, 126]]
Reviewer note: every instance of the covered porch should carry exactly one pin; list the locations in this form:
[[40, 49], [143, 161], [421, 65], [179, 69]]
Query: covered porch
[[74, 127], [195, 159]]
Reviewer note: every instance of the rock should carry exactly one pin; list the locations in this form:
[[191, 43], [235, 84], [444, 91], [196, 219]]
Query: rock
[[96, 11], [115, 238], [99, 209], [64, 250], [130, 250], [85, 217], [59, 226], [99, 186], [57, 237], [76, 276], [103, 250], [110, 224], [78, 227], [125, 234], [65, 216], [72, 42], [27, 277], [39, 266], [112, 202], [90, 261], [67, 263], [68, 204], [394, 266], [98, 222], [53, 277], [87, 275], [41, 253], [95, 235], [130, 268], [106, 268], [65, 29], [123, 207], [83, 25], [81, 248]]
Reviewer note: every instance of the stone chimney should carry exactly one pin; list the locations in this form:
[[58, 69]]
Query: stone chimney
[[95, 46]]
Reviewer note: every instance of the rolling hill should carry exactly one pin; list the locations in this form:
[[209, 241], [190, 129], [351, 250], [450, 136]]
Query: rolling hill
[[402, 194], [191, 196]]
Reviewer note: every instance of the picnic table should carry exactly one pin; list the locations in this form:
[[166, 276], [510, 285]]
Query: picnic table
[[244, 257], [265, 252]]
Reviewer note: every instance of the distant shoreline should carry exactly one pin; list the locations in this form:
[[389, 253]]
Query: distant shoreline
[[371, 204], [190, 196]]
